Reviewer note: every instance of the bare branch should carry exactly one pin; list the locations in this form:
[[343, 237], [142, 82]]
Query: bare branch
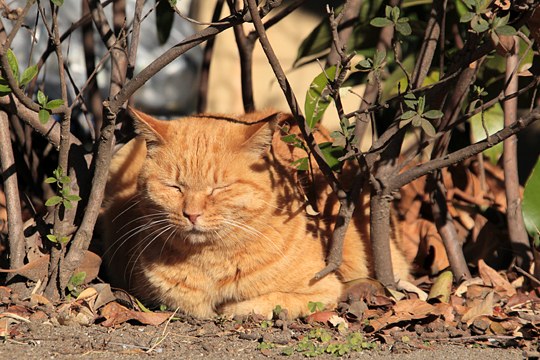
[[462, 154], [11, 189], [166, 58], [207, 59], [519, 238]]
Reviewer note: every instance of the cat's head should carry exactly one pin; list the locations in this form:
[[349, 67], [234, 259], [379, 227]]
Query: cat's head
[[208, 174]]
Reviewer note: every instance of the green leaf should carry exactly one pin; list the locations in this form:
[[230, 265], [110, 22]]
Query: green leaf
[[58, 172], [291, 138], [5, 89], [388, 11], [506, 30], [332, 154], [379, 58], [467, 17], [142, 307], [13, 64], [364, 65], [44, 116], [164, 20], [67, 204], [64, 179], [52, 238], [28, 74], [318, 40], [408, 114], [404, 28], [301, 164], [73, 197], [433, 114], [50, 180], [380, 22], [428, 128], [421, 104], [77, 278], [531, 204], [395, 13], [41, 98], [53, 200], [64, 239], [58, 2], [316, 103], [494, 121], [53, 104], [416, 121], [479, 25]]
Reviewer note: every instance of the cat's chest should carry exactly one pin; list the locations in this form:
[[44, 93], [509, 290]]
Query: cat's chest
[[231, 276]]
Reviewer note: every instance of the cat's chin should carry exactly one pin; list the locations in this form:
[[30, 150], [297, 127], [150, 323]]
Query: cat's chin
[[198, 237]]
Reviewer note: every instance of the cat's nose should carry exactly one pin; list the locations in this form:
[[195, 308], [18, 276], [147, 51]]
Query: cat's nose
[[192, 217]]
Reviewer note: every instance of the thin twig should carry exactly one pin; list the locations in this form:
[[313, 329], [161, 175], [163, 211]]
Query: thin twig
[[526, 274]]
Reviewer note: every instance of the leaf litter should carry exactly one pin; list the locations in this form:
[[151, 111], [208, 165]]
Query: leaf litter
[[494, 309]]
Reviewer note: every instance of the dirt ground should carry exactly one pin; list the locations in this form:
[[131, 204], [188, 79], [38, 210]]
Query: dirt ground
[[210, 340]]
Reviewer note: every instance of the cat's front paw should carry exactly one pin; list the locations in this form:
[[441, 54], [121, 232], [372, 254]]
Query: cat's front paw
[[245, 308]]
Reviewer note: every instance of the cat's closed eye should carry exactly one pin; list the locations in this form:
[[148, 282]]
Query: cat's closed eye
[[218, 189], [177, 187]]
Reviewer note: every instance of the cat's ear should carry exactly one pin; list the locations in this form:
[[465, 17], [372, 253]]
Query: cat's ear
[[151, 129], [259, 134]]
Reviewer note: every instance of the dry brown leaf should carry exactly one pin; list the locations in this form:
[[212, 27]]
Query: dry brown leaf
[[5, 292], [321, 316], [37, 299], [411, 288], [18, 310], [362, 289], [116, 314], [404, 310], [90, 264], [105, 295], [464, 286], [483, 308], [37, 269], [416, 308], [447, 312], [520, 299], [77, 312], [492, 278], [336, 321]]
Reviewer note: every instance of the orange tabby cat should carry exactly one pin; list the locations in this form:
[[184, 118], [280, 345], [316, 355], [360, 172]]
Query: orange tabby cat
[[205, 215]]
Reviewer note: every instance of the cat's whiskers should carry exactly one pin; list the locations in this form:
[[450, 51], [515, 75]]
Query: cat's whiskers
[[173, 234], [167, 228], [127, 207], [272, 205], [142, 217], [253, 231], [133, 232]]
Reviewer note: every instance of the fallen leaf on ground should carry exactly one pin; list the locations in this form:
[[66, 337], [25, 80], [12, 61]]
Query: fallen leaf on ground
[[36, 270], [492, 278], [320, 316], [483, 308], [116, 314]]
